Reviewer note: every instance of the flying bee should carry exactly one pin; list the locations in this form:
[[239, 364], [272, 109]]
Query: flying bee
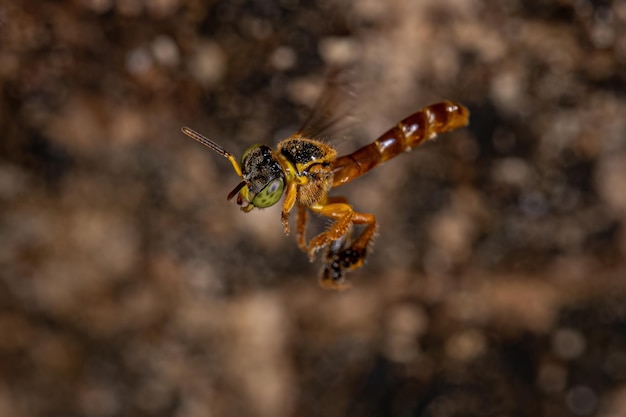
[[304, 169]]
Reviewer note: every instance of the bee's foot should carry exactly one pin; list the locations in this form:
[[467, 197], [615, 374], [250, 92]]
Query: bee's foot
[[313, 252], [316, 244], [285, 221]]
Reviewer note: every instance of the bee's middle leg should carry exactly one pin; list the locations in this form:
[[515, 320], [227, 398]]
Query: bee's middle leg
[[342, 214]]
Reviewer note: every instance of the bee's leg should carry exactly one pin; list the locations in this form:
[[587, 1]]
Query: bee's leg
[[302, 220], [342, 214], [340, 259], [325, 210], [301, 227], [290, 199]]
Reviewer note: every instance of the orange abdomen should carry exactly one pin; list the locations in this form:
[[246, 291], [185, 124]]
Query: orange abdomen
[[409, 133]]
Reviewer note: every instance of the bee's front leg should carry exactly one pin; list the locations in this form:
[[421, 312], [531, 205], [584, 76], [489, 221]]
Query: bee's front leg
[[288, 203]]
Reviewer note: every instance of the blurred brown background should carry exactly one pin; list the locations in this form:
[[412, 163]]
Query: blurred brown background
[[130, 286]]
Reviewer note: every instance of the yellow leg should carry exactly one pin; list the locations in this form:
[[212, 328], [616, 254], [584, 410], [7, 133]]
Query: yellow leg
[[288, 203], [363, 241], [342, 213], [344, 256], [301, 227], [341, 259], [302, 221]]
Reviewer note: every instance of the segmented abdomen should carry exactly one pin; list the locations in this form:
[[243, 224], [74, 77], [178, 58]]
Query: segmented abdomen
[[410, 132]]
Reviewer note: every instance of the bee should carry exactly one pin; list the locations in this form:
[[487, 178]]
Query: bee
[[304, 169]]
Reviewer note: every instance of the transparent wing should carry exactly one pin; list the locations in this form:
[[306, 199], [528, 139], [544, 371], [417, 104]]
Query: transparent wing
[[334, 108]]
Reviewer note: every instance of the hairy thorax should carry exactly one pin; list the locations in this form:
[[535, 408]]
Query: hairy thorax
[[311, 160]]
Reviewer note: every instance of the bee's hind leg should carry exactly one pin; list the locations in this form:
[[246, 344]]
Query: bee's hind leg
[[343, 256]]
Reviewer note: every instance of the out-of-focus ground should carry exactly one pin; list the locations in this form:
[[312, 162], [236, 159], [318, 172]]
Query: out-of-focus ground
[[130, 286]]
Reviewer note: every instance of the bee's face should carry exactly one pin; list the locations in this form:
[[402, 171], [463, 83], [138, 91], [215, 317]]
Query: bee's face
[[264, 179]]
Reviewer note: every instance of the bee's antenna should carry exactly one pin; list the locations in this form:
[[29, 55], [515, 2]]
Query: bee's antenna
[[214, 146]]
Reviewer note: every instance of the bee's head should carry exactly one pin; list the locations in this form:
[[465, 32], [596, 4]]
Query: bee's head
[[263, 179]]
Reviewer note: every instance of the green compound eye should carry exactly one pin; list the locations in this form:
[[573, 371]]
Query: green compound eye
[[269, 195]]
